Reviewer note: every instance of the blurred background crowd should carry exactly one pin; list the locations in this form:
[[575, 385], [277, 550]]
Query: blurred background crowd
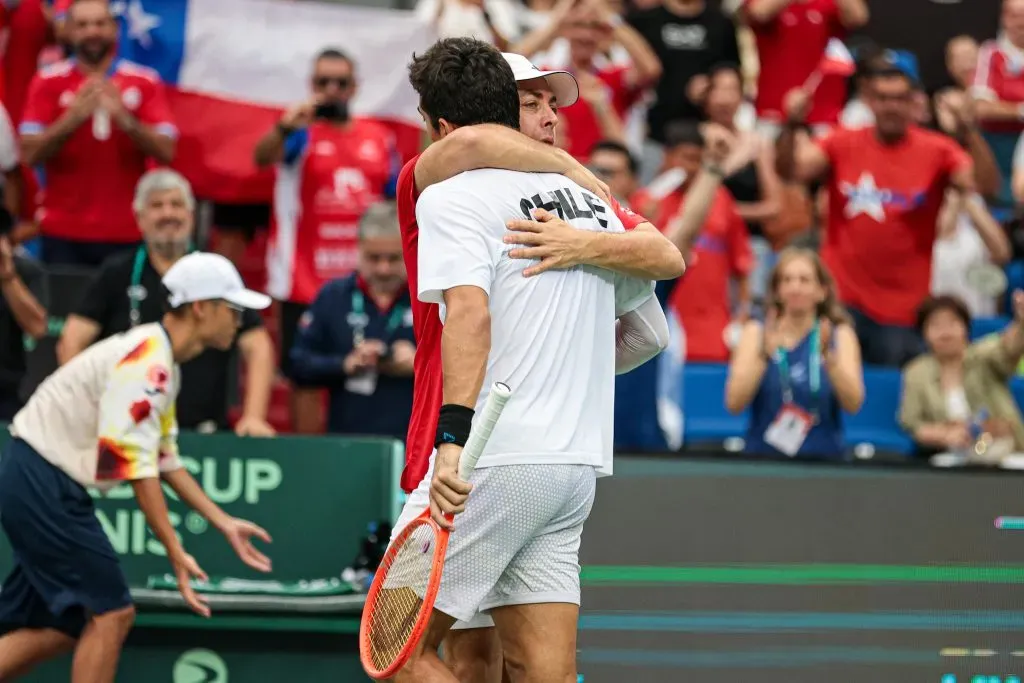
[[842, 176]]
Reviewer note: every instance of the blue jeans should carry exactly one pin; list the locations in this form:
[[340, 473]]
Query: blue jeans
[[890, 345]]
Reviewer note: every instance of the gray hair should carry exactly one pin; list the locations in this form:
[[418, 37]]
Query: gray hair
[[161, 180], [380, 220]]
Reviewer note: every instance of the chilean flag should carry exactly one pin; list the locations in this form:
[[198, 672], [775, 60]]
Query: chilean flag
[[232, 66], [837, 60]]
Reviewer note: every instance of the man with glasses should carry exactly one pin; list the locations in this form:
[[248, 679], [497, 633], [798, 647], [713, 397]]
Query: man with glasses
[[330, 167], [104, 419], [613, 163], [886, 184], [124, 294]]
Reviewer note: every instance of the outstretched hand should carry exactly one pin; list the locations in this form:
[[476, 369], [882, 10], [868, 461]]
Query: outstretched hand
[[240, 533]]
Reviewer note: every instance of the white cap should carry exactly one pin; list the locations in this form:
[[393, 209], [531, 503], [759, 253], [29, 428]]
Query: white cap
[[562, 83], [202, 276]]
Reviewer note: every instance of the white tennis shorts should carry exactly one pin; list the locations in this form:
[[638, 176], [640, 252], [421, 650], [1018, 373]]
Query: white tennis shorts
[[517, 542]]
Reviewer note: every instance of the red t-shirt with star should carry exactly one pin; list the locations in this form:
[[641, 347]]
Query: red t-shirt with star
[[426, 321], [884, 203]]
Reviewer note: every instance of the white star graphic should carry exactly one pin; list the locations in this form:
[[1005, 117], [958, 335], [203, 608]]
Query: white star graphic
[[140, 23], [864, 198]]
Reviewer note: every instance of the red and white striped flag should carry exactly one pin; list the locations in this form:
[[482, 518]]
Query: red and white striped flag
[[837, 60]]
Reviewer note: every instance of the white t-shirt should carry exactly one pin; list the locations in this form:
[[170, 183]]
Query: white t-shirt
[[953, 258], [552, 335], [466, 20], [107, 416]]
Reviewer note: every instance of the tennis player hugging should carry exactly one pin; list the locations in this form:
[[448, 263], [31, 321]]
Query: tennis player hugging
[[525, 371]]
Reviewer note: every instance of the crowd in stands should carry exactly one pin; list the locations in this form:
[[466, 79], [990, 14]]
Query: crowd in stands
[[841, 220]]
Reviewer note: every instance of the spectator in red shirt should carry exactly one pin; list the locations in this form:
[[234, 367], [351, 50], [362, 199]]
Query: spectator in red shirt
[[791, 39], [999, 89], [886, 184], [613, 163], [607, 92], [28, 29], [331, 167], [717, 249], [92, 122]]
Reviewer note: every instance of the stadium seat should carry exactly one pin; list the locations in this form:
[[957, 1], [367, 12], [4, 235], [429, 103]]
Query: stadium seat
[[1017, 389], [1014, 281], [877, 422], [707, 421], [982, 327]]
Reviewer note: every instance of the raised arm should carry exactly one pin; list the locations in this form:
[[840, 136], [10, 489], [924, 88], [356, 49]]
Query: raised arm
[[797, 156]]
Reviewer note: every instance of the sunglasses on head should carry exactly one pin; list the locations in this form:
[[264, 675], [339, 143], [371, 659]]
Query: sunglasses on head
[[342, 82]]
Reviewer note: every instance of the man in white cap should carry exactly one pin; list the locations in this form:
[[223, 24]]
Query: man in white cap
[[641, 252], [105, 418], [472, 649]]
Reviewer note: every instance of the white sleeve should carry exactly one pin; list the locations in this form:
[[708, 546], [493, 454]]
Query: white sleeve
[[640, 335], [457, 245], [631, 292], [8, 143]]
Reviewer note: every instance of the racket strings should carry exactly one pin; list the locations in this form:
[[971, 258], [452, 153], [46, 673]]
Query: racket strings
[[400, 600]]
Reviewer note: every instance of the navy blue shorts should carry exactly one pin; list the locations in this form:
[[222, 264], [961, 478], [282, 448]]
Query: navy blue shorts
[[65, 569]]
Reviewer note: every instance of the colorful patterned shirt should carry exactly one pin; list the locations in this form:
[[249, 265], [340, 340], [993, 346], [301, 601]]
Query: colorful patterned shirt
[[107, 416]]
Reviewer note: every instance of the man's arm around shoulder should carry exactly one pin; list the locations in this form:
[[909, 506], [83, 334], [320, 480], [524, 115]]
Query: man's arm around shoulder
[[493, 146]]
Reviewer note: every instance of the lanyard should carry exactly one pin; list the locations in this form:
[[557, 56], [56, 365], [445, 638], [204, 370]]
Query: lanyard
[[813, 371], [360, 320], [134, 297]]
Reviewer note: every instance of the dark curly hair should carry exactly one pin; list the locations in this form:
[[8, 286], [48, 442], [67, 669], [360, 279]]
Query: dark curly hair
[[465, 82]]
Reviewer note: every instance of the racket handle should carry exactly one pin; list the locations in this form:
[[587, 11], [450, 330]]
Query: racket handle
[[478, 437]]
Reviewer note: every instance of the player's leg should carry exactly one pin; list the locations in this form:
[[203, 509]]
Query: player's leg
[[99, 648], [535, 604], [473, 652], [425, 665], [67, 561], [32, 635], [538, 641], [24, 647], [486, 538]]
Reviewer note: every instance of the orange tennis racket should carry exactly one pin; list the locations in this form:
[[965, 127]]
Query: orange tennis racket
[[403, 591]]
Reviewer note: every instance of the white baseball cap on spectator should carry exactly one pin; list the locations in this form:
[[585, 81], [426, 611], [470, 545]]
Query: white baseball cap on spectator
[[562, 83], [201, 276]]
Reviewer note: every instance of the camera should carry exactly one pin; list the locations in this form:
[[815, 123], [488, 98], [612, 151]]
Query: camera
[[331, 111]]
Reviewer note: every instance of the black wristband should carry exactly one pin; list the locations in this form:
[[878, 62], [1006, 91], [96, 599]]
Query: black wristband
[[283, 130], [453, 424]]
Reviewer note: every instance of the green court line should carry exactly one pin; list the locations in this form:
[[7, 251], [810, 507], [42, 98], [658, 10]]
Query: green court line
[[248, 623], [800, 574]]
